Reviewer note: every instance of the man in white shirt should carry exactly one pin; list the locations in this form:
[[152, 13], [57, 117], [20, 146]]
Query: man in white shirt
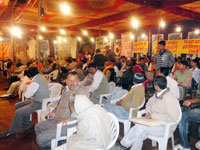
[[96, 82], [171, 83], [195, 73], [38, 90]]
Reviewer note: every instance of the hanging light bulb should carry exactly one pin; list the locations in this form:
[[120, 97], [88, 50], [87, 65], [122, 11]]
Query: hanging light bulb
[[131, 36], [135, 23], [1, 39], [143, 35], [85, 32], [65, 8], [64, 40], [111, 35], [15, 31], [40, 37], [62, 31], [197, 31], [105, 39], [178, 29], [92, 39], [79, 38], [55, 42], [43, 28], [162, 24]]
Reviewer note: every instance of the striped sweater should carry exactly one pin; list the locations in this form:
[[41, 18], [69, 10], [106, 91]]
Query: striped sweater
[[164, 59]]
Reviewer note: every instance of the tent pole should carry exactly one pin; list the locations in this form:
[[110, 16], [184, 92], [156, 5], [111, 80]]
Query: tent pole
[[38, 43]]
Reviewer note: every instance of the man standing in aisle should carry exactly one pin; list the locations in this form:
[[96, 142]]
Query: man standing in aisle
[[164, 58]]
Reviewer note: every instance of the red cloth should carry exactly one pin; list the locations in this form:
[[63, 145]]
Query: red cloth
[[138, 69]]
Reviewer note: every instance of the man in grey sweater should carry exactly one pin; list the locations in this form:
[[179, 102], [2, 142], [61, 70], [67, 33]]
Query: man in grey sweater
[[38, 90], [46, 130]]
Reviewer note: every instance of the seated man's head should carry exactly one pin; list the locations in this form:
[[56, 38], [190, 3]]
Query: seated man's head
[[142, 60], [160, 83], [92, 68], [138, 78], [183, 65], [72, 80], [33, 71], [163, 71], [194, 63]]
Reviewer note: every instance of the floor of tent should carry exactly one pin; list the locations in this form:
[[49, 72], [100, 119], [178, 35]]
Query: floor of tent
[[26, 141]]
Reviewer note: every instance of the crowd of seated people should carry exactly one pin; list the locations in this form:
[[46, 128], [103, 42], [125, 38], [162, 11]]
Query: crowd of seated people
[[88, 77]]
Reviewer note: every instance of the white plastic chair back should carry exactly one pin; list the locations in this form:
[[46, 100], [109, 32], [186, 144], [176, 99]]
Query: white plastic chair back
[[53, 75], [114, 130], [70, 131], [54, 89], [111, 86]]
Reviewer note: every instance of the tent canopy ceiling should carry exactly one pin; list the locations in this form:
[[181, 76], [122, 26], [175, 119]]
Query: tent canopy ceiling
[[96, 15]]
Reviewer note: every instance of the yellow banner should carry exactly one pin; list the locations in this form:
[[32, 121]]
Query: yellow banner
[[191, 46], [140, 47], [4, 50], [174, 46]]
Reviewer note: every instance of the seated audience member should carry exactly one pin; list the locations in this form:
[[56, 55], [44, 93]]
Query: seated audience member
[[99, 60], [176, 65], [46, 130], [152, 64], [80, 71], [38, 90], [126, 79], [184, 78], [192, 115], [133, 99], [171, 83], [142, 64], [48, 68], [109, 71], [93, 128], [96, 82], [137, 68], [24, 77], [195, 73], [110, 55], [123, 63], [161, 106]]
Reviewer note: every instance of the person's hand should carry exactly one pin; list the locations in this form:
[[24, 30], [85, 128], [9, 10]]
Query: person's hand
[[119, 103], [64, 122], [187, 103], [148, 116], [52, 114]]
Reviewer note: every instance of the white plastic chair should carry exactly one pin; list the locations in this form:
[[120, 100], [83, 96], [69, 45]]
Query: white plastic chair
[[51, 76], [126, 122], [111, 90], [113, 137], [168, 133], [54, 93], [70, 131]]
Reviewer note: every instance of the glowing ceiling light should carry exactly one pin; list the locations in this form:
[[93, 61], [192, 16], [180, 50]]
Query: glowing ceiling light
[[92, 39], [105, 39], [143, 35], [55, 42], [1, 39], [131, 36], [16, 31], [135, 23], [111, 35], [64, 40], [197, 31], [62, 31], [79, 38], [162, 24], [65, 8], [43, 28], [85, 32], [178, 29], [40, 37]]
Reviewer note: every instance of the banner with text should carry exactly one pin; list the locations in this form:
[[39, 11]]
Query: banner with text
[[174, 46], [191, 46], [140, 47], [126, 45]]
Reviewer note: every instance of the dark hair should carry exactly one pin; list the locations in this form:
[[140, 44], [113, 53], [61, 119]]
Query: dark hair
[[69, 60], [183, 62], [26, 73], [164, 70], [74, 73], [50, 61], [98, 51], [73, 59], [195, 61], [161, 82], [162, 43], [33, 71], [93, 65], [141, 58]]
